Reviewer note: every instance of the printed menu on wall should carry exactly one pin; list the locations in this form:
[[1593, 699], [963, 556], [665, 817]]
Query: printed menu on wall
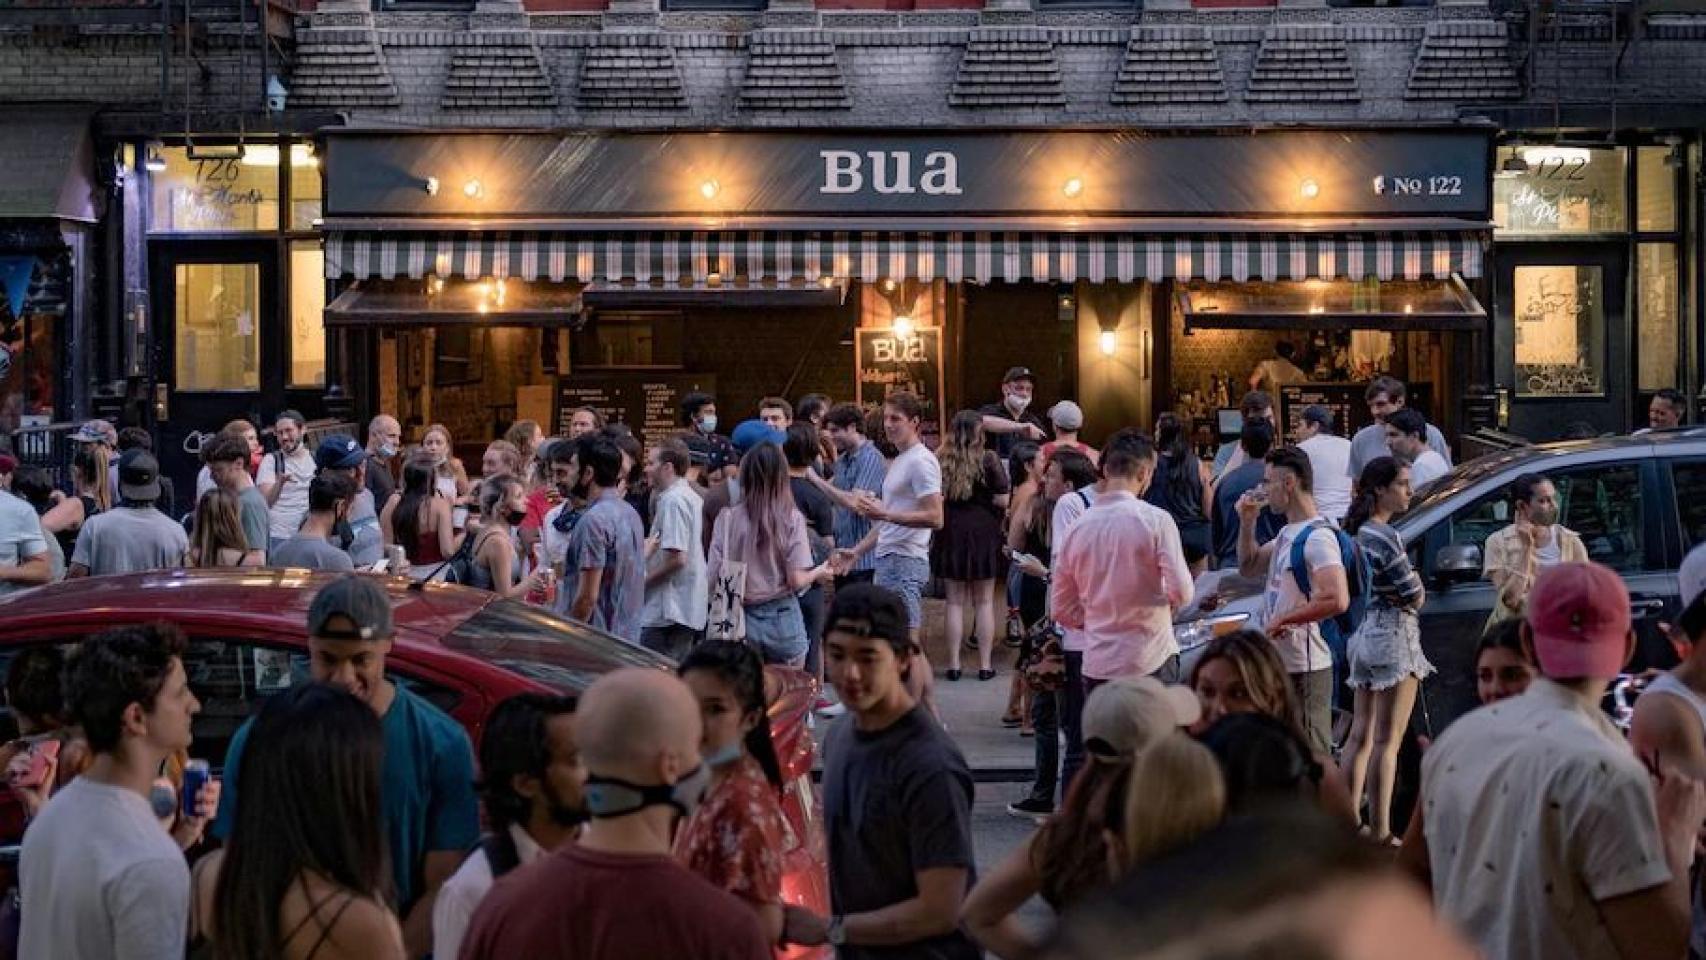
[[649, 402], [887, 363], [1346, 400]]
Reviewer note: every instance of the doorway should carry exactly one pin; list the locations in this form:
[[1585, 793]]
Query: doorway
[[217, 345], [1562, 337]]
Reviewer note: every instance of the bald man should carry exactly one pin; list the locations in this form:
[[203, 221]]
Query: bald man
[[384, 441], [617, 893]]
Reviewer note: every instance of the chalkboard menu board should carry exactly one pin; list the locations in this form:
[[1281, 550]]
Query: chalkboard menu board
[[887, 363], [1346, 400], [648, 402]]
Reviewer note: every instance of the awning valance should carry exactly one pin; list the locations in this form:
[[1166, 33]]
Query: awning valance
[[1367, 304], [741, 256]]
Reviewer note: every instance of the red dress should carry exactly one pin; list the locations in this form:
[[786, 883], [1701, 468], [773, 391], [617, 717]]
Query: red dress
[[735, 838]]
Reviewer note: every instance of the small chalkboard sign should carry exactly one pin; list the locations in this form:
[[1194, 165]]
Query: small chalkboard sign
[[649, 402], [887, 362]]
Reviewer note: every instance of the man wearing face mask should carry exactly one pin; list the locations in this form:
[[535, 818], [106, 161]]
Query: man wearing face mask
[[384, 442], [1012, 420], [431, 816], [639, 731], [1514, 556], [284, 477], [699, 414], [312, 548], [533, 780]]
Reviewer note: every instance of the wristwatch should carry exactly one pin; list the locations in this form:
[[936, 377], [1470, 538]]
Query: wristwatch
[[837, 932]]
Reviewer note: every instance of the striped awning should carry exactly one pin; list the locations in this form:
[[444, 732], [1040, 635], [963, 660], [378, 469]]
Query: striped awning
[[736, 256]]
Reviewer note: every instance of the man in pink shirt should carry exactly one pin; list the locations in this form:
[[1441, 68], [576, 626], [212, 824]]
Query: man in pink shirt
[[1119, 573]]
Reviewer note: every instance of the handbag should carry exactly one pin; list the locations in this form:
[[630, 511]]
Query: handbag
[[1045, 670], [727, 622]]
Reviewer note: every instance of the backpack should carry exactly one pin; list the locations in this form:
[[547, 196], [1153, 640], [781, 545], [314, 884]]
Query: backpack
[[1337, 630]]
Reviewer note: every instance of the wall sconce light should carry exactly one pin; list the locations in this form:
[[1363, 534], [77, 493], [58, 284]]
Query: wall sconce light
[[1109, 341], [1073, 186], [1513, 166], [1409, 308], [154, 159], [1317, 309], [1310, 189], [709, 189], [888, 284], [473, 189], [903, 327], [431, 186]]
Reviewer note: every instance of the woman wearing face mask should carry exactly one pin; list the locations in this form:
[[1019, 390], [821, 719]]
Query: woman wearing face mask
[[735, 838], [503, 505], [1387, 665], [449, 477]]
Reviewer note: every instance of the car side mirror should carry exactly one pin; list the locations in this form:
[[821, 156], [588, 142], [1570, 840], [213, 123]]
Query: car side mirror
[[1457, 563]]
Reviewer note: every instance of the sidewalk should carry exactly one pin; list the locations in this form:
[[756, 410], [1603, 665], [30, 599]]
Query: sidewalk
[[971, 708]]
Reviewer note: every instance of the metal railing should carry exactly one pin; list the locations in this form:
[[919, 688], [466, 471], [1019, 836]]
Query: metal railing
[[47, 446]]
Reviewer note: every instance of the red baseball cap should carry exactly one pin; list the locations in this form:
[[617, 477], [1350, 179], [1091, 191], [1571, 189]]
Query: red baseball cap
[[1578, 614]]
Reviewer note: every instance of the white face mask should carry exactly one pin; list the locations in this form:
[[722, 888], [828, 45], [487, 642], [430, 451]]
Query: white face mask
[[1016, 403]]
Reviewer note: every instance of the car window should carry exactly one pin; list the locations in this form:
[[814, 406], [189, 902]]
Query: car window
[[232, 677], [1689, 480], [542, 646], [1602, 503]]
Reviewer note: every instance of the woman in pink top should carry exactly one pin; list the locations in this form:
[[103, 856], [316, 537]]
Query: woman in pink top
[[765, 531]]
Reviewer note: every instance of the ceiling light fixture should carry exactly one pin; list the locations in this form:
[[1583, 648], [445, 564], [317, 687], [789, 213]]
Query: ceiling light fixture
[[1073, 186], [1310, 189], [473, 189], [709, 189]]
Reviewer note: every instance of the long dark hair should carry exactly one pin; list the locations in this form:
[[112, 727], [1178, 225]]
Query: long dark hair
[[311, 776], [766, 499], [1025, 453], [1068, 852], [420, 477], [1179, 475], [739, 666], [1380, 473]]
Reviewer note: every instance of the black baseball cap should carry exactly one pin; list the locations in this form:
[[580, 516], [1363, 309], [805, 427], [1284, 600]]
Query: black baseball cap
[[1019, 373], [139, 476]]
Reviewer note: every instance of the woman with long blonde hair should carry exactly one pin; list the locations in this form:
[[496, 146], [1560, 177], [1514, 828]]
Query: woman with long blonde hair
[[94, 495], [450, 478], [219, 540], [1182, 796], [966, 552]]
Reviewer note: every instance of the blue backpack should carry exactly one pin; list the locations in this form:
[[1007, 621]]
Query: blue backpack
[[1337, 630]]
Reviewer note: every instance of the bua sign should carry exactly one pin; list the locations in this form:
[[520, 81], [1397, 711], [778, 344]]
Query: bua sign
[[890, 171]]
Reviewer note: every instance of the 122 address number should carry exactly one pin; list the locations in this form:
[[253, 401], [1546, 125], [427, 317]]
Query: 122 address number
[[1419, 186]]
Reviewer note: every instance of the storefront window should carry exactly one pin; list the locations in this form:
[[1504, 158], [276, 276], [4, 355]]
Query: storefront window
[[1657, 344], [307, 314], [305, 204], [1655, 190], [1560, 331], [1563, 190], [217, 307], [224, 194]]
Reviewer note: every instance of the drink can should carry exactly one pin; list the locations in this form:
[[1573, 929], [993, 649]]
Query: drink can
[[196, 775], [399, 560]]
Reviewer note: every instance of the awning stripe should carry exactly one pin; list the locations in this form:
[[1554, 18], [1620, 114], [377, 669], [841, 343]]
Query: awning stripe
[[878, 255]]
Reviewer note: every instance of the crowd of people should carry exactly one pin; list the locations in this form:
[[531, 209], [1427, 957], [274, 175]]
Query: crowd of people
[[643, 817]]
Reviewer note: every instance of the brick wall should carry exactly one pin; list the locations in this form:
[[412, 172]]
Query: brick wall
[[71, 63]]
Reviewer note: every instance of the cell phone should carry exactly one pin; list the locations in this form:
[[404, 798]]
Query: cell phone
[[34, 764], [1020, 556]]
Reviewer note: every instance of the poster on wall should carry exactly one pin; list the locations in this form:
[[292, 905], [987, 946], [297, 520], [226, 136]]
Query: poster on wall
[[887, 361]]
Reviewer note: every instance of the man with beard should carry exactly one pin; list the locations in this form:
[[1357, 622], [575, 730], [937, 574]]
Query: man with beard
[[283, 479], [432, 817], [531, 779], [1536, 540], [603, 562]]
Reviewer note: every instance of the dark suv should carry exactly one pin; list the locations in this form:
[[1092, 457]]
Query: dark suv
[[1639, 504]]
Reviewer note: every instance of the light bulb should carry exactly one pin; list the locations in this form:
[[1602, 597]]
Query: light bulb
[[473, 189], [1073, 186], [709, 189], [1310, 189], [1109, 342], [903, 327]]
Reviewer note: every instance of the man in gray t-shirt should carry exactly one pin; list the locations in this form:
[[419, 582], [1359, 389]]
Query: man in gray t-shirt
[[134, 537], [23, 546], [604, 565], [311, 548]]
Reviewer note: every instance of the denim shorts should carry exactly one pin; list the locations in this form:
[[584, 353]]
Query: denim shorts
[[778, 630], [907, 576]]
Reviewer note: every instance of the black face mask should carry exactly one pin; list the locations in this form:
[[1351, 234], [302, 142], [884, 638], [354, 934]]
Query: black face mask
[[608, 797], [514, 517]]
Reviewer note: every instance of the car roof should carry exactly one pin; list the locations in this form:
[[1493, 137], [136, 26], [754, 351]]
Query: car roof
[[275, 598]]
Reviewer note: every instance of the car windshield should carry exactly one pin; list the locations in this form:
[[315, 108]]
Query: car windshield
[[542, 646]]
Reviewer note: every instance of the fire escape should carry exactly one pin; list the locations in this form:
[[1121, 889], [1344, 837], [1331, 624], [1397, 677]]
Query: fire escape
[[222, 66]]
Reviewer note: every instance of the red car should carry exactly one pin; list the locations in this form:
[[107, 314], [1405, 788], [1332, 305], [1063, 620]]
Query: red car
[[465, 650]]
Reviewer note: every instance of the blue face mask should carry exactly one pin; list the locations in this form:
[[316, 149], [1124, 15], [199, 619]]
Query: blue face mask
[[708, 424], [723, 756]]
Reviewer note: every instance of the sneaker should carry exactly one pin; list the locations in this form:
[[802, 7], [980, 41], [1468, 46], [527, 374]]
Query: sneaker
[[1031, 809]]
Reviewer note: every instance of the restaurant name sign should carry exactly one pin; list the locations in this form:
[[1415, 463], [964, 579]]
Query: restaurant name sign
[[1066, 174]]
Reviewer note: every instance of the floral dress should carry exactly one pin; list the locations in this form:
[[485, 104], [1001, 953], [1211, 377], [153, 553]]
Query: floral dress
[[735, 838]]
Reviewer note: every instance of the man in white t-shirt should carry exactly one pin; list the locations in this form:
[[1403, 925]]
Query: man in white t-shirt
[[283, 478], [676, 602], [1291, 619], [23, 546], [902, 521], [1330, 457], [1407, 438]]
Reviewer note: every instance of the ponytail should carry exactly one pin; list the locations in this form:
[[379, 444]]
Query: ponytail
[[1377, 475], [1360, 509], [739, 666]]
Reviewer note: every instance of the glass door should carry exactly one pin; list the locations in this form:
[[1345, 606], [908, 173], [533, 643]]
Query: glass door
[[1562, 338], [216, 310]]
